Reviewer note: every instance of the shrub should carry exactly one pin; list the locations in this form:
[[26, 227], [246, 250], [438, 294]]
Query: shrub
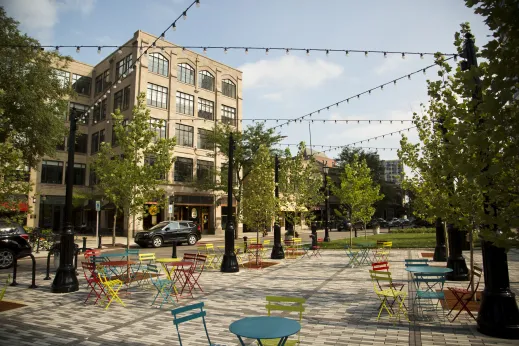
[[412, 230]]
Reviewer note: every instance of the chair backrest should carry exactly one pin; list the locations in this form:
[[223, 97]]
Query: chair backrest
[[476, 273], [266, 242], [380, 266], [132, 253], [200, 261], [433, 282], [289, 304], [92, 252], [150, 257], [190, 257], [89, 269], [416, 262], [387, 244], [188, 315], [377, 276]]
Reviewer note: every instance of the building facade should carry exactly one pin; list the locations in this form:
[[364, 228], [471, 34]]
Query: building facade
[[392, 170], [188, 95]]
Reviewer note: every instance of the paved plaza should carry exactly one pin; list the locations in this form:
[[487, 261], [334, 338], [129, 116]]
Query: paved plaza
[[341, 309]]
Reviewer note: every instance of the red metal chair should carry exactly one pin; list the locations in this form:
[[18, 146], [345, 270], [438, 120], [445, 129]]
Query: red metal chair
[[92, 253], [460, 293], [380, 266], [89, 271]]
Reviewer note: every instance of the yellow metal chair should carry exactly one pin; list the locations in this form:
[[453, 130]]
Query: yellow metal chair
[[144, 260], [212, 260], [287, 304], [240, 255], [389, 293], [112, 287], [382, 253]]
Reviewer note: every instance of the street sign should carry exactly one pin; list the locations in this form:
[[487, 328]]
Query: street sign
[[98, 205], [170, 209]]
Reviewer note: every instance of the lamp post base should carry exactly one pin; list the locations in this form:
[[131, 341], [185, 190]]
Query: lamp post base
[[65, 280], [459, 268], [498, 315], [229, 264], [440, 253], [277, 252]]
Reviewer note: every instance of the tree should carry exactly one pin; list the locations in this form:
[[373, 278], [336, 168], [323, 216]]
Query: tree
[[357, 193], [131, 175], [259, 203], [247, 143], [300, 184], [34, 100], [349, 155]]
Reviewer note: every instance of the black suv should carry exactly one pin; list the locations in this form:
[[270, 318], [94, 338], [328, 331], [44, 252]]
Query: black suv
[[168, 231], [14, 242]]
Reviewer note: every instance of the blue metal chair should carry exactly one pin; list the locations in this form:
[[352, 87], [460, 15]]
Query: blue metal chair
[[193, 315], [352, 256], [416, 262], [429, 288], [165, 287]]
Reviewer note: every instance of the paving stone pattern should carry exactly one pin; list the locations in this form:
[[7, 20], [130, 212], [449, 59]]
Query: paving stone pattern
[[341, 309]]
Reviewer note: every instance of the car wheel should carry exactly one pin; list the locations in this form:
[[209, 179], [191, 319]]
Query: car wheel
[[157, 241], [6, 258], [191, 240]]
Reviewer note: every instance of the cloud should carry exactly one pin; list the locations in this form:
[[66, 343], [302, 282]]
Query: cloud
[[272, 96], [289, 72], [390, 64], [38, 18]]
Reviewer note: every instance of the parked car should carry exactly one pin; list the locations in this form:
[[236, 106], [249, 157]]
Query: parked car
[[380, 221], [169, 231], [14, 243], [346, 225]]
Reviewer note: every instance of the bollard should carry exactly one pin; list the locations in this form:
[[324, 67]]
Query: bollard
[[174, 250], [99, 246], [48, 266], [38, 244], [33, 285], [245, 244], [15, 264], [84, 244], [75, 257]]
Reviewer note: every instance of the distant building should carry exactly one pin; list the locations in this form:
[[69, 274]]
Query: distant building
[[392, 170]]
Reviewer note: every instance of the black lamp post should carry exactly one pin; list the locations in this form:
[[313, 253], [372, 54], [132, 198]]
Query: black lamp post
[[229, 261], [66, 280], [498, 314], [326, 205], [277, 249]]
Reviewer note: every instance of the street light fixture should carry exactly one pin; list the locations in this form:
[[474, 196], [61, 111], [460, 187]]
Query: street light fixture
[[326, 169]]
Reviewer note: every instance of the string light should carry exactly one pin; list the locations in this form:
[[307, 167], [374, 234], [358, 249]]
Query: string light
[[366, 54], [198, 3], [423, 71], [267, 51], [307, 52], [184, 15], [205, 50], [327, 52], [78, 49], [225, 50], [57, 49], [246, 50], [98, 50], [403, 55], [385, 54], [421, 56], [162, 36], [287, 51], [347, 52], [174, 26]]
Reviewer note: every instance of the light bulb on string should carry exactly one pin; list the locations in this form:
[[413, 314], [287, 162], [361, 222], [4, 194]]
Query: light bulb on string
[[385, 54], [120, 51], [198, 3], [78, 49], [174, 26], [57, 49], [205, 50], [423, 71], [347, 53], [409, 76], [347, 100], [327, 52], [99, 50], [421, 56], [455, 57], [366, 54], [266, 51], [382, 87], [403, 55], [394, 82], [141, 49], [119, 81], [184, 15], [225, 50], [115, 85], [308, 52], [246, 50], [287, 51], [163, 36]]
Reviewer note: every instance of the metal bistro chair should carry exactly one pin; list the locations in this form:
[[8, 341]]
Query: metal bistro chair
[[285, 304], [460, 293], [193, 314]]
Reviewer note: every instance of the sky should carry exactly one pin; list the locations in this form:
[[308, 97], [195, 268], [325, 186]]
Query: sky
[[278, 86]]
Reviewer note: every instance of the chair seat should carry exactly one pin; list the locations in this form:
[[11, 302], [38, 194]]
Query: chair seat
[[275, 342], [430, 295], [391, 293], [315, 247], [393, 285], [459, 290]]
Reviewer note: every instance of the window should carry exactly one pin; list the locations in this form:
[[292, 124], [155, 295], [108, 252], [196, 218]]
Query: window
[[99, 84], [81, 143], [123, 66], [184, 135], [183, 171], [79, 174], [186, 74], [81, 84], [100, 111], [126, 98], [118, 100], [206, 80], [63, 78], [157, 63], [205, 109], [79, 109], [157, 96], [150, 161], [204, 139], [106, 79], [229, 88], [159, 127], [52, 172], [204, 170], [228, 115], [97, 139], [185, 103]]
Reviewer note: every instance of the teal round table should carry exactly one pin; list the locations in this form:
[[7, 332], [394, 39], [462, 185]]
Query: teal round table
[[428, 269], [265, 327]]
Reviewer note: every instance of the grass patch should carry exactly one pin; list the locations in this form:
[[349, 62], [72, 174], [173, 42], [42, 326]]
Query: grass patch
[[400, 240], [413, 230]]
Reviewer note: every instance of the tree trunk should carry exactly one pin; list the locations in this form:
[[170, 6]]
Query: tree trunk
[[113, 230]]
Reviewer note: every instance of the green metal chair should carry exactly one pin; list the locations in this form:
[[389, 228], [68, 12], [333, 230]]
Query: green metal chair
[[280, 303], [429, 288], [165, 286], [353, 256], [193, 315]]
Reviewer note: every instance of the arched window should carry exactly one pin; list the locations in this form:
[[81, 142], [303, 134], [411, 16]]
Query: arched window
[[157, 63], [206, 80], [229, 88], [186, 74]]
